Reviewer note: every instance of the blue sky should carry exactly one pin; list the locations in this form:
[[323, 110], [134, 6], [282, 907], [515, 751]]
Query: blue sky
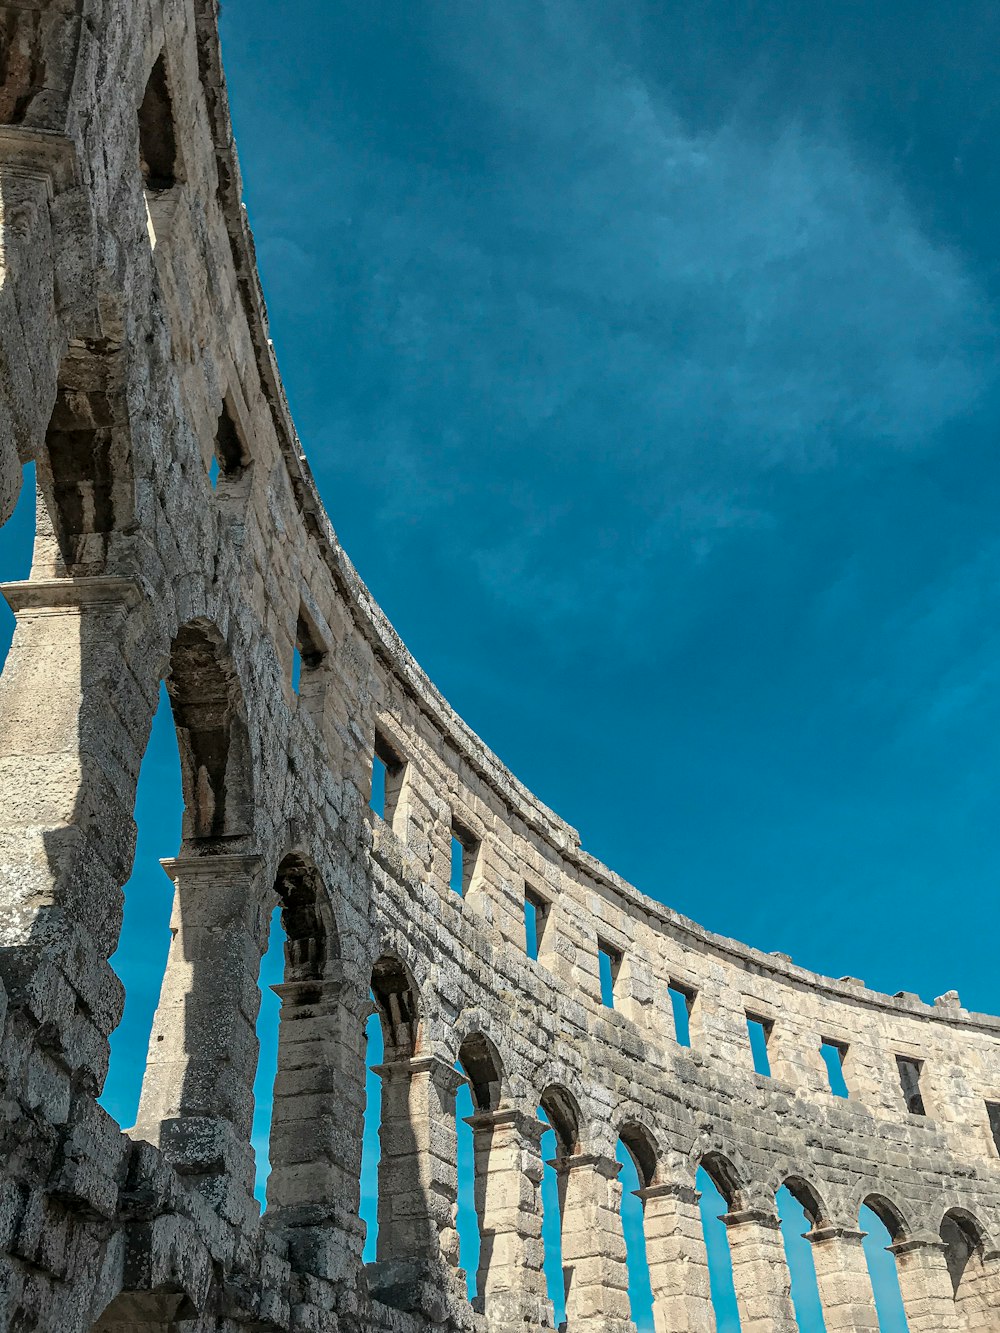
[[646, 358]]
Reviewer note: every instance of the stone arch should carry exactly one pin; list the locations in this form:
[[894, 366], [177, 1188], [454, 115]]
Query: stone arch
[[397, 1000], [563, 1113], [207, 703], [972, 1268], [481, 1063], [889, 1215], [145, 1312], [962, 1234], [644, 1150], [84, 471], [726, 1177], [312, 940], [317, 1105], [805, 1193], [158, 150]]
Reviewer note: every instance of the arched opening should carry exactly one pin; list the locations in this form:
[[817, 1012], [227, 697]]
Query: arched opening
[[975, 1279], [207, 705], [157, 137], [140, 959], [405, 1226], [717, 1185], [146, 1312], [371, 1151], [202, 1055], [84, 471], [637, 1156], [883, 1227], [477, 1098], [397, 1003], [800, 1211], [188, 781], [558, 1110], [296, 1092]]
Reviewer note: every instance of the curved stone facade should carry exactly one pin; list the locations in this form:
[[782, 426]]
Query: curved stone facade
[[180, 538]]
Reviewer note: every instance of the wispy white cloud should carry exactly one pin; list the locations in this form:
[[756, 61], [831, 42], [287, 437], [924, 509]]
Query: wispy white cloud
[[633, 330]]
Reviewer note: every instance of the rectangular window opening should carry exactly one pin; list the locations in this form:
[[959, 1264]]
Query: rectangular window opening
[[993, 1112], [307, 654], [536, 915], [759, 1030], [834, 1053], [387, 779], [464, 853], [609, 962], [682, 1002], [909, 1081]]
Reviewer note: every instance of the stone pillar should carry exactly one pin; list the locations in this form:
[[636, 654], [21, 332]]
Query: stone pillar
[[678, 1259], [508, 1175], [73, 726], [197, 1093], [977, 1301], [314, 1189], [925, 1285], [417, 1186], [593, 1244], [760, 1272], [843, 1280]]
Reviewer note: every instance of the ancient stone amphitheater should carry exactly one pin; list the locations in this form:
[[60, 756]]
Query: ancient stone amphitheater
[[180, 538]]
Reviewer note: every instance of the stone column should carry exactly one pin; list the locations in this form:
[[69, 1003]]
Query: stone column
[[314, 1189], [593, 1244], [417, 1185], [197, 1093], [843, 1280], [678, 1259], [508, 1175], [977, 1301], [73, 726], [760, 1272], [925, 1285]]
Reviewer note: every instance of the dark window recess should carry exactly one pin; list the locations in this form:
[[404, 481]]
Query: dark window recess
[[993, 1111], [536, 915], [759, 1030], [231, 456], [909, 1081], [464, 852], [157, 141], [308, 653], [387, 779], [682, 1002], [609, 962], [833, 1053]]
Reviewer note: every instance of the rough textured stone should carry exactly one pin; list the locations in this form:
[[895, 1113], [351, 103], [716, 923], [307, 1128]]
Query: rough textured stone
[[134, 363]]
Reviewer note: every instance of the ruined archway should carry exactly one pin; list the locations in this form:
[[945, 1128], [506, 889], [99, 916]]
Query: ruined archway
[[207, 703]]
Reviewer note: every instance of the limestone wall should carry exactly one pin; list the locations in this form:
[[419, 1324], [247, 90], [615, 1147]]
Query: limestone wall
[[134, 365]]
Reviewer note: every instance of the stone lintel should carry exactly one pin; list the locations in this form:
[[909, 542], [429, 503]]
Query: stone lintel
[[223, 868], [44, 155], [669, 1190], [528, 1126], [58, 596], [601, 1165], [823, 1235], [758, 1217], [921, 1240], [324, 990], [442, 1073]]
